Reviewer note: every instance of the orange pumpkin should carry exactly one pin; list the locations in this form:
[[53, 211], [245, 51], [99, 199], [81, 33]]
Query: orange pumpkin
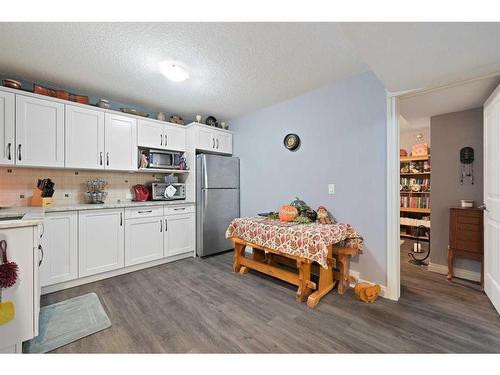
[[288, 213]]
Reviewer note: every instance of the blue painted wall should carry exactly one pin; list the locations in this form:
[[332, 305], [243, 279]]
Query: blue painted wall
[[342, 129]]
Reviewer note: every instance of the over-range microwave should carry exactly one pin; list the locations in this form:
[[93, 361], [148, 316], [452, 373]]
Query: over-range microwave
[[163, 159]]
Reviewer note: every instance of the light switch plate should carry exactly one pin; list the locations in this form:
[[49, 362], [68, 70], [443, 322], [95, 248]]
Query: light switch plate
[[331, 188]]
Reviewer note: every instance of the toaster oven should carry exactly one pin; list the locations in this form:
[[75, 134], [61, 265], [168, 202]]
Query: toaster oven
[[161, 191]]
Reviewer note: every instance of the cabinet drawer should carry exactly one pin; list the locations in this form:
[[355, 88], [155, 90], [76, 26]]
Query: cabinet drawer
[[178, 210], [144, 211], [468, 220]]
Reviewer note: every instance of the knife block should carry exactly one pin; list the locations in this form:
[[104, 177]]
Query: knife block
[[39, 201]]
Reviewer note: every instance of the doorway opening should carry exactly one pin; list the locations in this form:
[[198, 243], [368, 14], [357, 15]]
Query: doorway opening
[[439, 175]]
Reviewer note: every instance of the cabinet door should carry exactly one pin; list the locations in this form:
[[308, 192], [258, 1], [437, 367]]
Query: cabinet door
[[60, 248], [150, 134], [7, 105], [39, 132], [179, 234], [224, 142], [84, 135], [174, 137], [143, 240], [206, 140], [100, 241], [120, 142], [21, 250]]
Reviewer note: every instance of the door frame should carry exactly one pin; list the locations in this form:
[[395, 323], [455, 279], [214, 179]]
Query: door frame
[[393, 281]]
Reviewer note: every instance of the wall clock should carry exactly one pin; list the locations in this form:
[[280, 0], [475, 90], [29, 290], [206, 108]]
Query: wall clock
[[291, 141]]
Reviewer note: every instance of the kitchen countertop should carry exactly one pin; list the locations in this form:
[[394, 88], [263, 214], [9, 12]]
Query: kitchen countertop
[[37, 213]]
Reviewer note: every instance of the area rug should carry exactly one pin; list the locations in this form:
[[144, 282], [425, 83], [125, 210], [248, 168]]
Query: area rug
[[68, 321]]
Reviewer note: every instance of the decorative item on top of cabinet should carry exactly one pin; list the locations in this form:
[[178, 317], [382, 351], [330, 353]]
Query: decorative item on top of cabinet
[[291, 142], [198, 119], [224, 126], [132, 111], [211, 121], [161, 116], [103, 103], [175, 119], [12, 83]]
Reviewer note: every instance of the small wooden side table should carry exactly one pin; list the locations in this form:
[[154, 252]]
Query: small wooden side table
[[466, 237]]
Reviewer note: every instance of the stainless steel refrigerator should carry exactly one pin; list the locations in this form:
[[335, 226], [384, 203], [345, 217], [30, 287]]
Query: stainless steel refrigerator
[[217, 201]]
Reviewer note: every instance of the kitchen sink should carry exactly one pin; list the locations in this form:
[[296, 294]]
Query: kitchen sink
[[11, 218]]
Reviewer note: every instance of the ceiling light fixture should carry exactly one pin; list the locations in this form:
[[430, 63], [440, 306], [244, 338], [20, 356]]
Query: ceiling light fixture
[[173, 71]]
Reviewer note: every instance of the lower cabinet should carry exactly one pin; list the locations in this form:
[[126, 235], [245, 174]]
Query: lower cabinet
[[60, 245], [143, 240], [179, 234], [101, 241]]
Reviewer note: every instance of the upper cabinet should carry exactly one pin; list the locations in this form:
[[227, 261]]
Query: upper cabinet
[[39, 132], [120, 142], [7, 126], [153, 134], [84, 135], [213, 140]]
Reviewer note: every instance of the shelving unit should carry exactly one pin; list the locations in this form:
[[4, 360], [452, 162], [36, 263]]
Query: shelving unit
[[416, 203]]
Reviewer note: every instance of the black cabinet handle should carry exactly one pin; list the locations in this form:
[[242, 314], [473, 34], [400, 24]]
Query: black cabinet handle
[[107, 159], [213, 142], [217, 143], [180, 209], [9, 156], [19, 152], [100, 158], [145, 212], [121, 219], [161, 139], [161, 226], [166, 226], [41, 260]]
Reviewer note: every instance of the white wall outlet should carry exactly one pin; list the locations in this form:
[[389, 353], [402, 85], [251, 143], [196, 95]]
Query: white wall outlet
[[331, 189]]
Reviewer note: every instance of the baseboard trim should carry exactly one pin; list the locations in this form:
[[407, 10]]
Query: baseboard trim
[[109, 274], [457, 272]]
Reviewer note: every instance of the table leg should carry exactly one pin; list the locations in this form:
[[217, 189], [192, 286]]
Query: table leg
[[325, 285], [450, 264], [304, 276], [343, 273], [238, 251]]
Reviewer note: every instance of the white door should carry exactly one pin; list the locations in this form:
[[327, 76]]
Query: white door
[[206, 140], [84, 134], [150, 134], [143, 240], [491, 146], [224, 142], [100, 241], [174, 137], [39, 132], [120, 142], [7, 126], [60, 248], [179, 234]]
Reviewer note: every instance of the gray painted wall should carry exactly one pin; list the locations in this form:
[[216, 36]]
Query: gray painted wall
[[342, 129], [449, 133]]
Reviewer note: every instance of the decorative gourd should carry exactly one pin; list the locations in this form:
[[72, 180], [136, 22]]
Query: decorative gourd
[[367, 292], [299, 204], [288, 213]]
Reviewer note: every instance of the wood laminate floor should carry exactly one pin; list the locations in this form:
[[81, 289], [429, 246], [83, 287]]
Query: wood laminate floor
[[200, 305]]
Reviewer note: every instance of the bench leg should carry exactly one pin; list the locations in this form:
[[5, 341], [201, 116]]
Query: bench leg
[[304, 278]]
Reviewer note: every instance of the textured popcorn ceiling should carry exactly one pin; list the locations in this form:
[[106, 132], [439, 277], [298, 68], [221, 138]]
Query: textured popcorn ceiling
[[234, 67]]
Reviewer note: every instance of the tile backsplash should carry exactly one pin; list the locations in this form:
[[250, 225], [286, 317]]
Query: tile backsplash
[[17, 184]]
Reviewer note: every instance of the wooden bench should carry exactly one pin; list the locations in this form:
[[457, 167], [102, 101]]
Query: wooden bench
[[267, 261]]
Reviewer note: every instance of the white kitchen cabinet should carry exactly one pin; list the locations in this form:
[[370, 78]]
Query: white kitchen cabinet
[[143, 239], [100, 241], [120, 142], [153, 134], [39, 132], [22, 248], [213, 140], [7, 128], [60, 247], [179, 234], [149, 134], [84, 138], [174, 137]]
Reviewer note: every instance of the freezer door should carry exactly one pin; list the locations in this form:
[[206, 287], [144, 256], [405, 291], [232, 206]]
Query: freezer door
[[217, 207], [219, 171]]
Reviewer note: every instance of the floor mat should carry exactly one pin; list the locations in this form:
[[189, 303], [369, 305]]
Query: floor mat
[[68, 321]]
